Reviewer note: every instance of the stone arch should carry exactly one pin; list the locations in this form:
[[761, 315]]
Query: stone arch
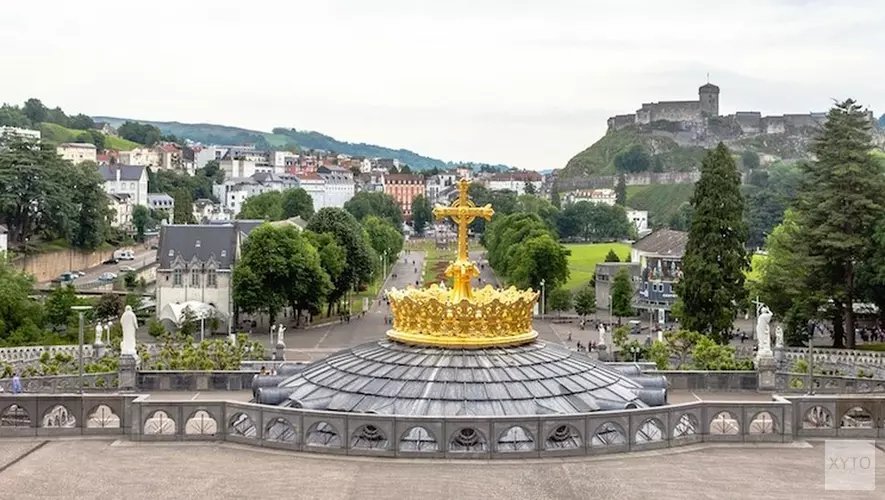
[[201, 423], [159, 424], [609, 434], [817, 417], [103, 417], [468, 439], [369, 437], [762, 422], [649, 431], [242, 425], [323, 434], [515, 438], [724, 423], [281, 431], [15, 416], [418, 439], [858, 417], [564, 437], [686, 425], [59, 416]]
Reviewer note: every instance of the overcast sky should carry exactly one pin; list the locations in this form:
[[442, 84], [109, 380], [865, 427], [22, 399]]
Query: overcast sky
[[526, 83]]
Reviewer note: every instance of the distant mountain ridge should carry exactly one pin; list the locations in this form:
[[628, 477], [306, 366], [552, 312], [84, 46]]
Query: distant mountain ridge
[[281, 138]]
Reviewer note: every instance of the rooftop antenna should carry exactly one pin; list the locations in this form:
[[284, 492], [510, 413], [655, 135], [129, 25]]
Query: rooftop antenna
[[708, 77]]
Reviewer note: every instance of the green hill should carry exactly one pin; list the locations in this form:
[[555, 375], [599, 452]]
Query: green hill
[[56, 133], [281, 138], [662, 201], [599, 159]]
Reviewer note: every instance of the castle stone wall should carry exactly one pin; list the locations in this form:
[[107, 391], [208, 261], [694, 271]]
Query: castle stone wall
[[641, 179]]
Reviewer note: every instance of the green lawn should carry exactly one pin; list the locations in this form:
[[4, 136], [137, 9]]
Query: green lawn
[[582, 262], [56, 133], [661, 201]]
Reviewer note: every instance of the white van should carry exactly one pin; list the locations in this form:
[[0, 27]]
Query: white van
[[124, 255]]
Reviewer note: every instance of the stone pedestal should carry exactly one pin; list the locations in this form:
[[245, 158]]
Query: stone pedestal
[[779, 356], [603, 353], [126, 379], [98, 350], [766, 366], [279, 353]]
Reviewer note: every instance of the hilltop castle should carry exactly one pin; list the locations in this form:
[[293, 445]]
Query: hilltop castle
[[707, 106]]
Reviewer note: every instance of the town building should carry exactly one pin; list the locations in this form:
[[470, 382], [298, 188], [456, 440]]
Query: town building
[[659, 256], [233, 192], [340, 187], [76, 152], [24, 133], [121, 204], [464, 172], [206, 210], [603, 196], [515, 181], [403, 188], [169, 155], [436, 185], [639, 218], [605, 276], [195, 264], [145, 157], [371, 182], [161, 201], [315, 187], [131, 180]]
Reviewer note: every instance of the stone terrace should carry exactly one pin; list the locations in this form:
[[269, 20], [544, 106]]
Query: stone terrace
[[104, 469]]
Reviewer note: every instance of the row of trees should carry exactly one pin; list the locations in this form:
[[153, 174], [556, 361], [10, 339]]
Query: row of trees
[[824, 257], [43, 196], [336, 254], [33, 112], [278, 205]]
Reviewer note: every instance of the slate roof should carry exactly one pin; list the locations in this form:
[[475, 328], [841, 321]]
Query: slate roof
[[127, 172], [663, 242], [216, 241]]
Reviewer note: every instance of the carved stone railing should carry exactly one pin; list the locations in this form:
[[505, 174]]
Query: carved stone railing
[[146, 418], [827, 384], [183, 380], [64, 383], [697, 380], [843, 356], [33, 353]]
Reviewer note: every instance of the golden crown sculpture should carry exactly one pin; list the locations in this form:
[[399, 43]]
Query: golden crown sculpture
[[462, 317]]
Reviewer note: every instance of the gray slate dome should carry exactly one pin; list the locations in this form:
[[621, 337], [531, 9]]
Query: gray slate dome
[[391, 378]]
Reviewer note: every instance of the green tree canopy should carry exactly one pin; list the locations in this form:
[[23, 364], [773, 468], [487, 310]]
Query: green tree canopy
[[622, 294], [634, 160], [621, 191], [296, 202], [366, 204], [422, 214], [585, 300], [383, 237], [712, 289], [750, 160], [183, 211], [265, 206], [141, 219], [91, 223], [559, 300], [595, 222]]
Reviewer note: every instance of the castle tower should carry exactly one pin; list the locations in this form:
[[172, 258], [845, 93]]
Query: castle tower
[[709, 97]]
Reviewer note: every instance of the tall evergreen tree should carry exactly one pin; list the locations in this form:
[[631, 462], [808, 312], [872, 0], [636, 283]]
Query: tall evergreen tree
[[622, 295], [840, 202], [621, 191], [712, 288]]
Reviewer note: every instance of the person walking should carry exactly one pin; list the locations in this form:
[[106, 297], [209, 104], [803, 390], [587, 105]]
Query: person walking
[[16, 384]]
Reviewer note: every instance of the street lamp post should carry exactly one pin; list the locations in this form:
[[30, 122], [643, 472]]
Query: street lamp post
[[81, 310], [543, 301]]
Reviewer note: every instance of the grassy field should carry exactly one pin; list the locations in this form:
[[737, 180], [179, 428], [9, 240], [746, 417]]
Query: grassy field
[[582, 262], [57, 133]]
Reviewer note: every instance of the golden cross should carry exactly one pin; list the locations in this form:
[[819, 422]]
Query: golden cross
[[463, 211]]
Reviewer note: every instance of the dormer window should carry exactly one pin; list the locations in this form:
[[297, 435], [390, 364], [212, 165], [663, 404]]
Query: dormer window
[[224, 253], [197, 244], [171, 253]]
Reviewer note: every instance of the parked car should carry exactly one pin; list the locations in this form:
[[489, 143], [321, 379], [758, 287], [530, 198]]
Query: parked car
[[111, 261], [124, 255], [126, 269], [107, 277], [79, 273], [67, 277]]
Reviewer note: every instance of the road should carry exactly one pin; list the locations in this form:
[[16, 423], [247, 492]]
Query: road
[[143, 257]]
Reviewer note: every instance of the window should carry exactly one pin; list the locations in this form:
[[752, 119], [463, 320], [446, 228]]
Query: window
[[195, 277], [176, 277], [211, 278]]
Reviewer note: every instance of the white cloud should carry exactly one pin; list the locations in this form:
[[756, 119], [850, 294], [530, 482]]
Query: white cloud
[[515, 81]]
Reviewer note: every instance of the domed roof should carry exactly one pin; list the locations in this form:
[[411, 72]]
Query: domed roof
[[388, 377]]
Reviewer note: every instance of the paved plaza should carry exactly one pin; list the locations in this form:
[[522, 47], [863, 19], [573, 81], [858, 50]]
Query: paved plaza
[[103, 469]]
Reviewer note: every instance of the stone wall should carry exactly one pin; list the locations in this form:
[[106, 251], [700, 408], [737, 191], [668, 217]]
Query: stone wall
[[49, 265], [149, 381], [641, 179]]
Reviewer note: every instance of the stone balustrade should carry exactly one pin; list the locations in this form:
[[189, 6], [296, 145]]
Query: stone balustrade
[[184, 380], [699, 380], [843, 356], [33, 353], [64, 383], [827, 384]]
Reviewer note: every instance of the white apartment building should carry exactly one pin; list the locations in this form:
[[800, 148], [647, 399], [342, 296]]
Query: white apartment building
[[340, 187], [604, 196], [515, 181], [315, 187], [209, 211], [237, 169], [121, 204], [161, 201], [203, 155], [435, 185], [24, 133], [76, 152], [131, 180], [639, 218]]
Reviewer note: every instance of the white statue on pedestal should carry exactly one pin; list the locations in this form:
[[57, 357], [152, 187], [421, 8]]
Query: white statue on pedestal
[[129, 323], [107, 331], [281, 330], [601, 334], [779, 337], [660, 335], [99, 334], [442, 285], [273, 331], [763, 332]]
